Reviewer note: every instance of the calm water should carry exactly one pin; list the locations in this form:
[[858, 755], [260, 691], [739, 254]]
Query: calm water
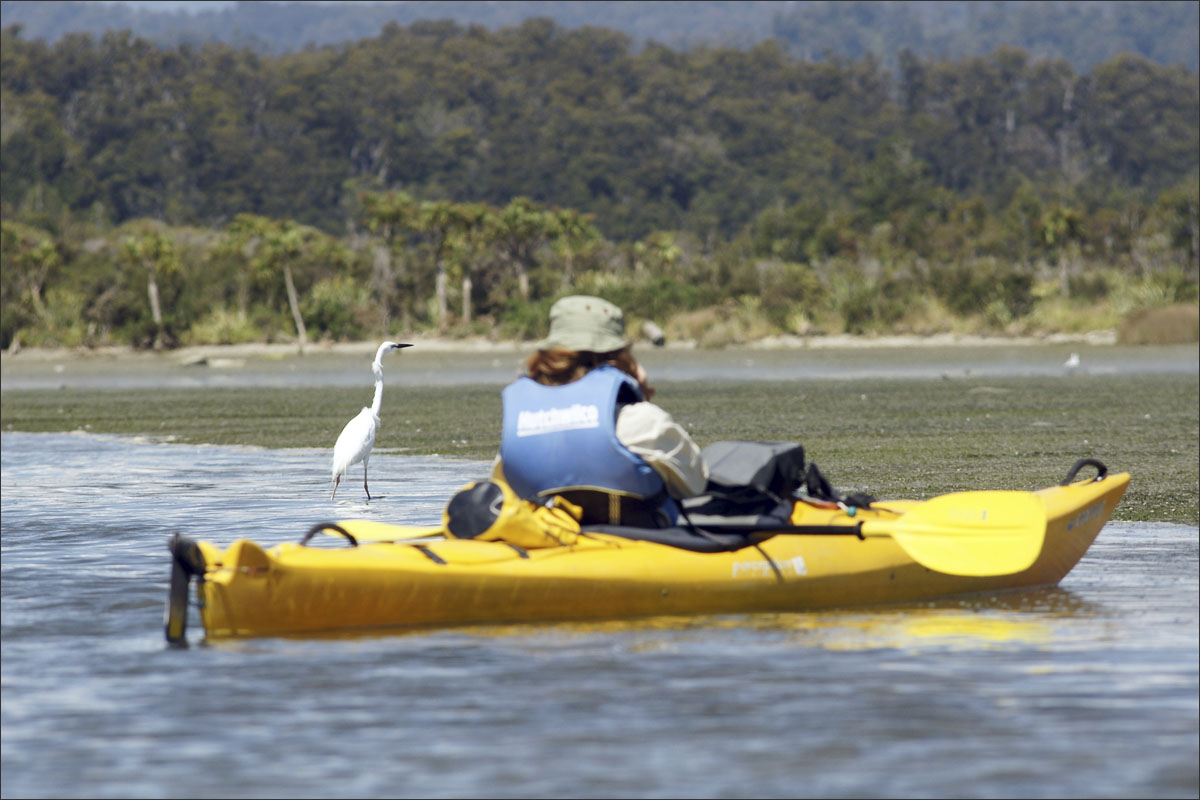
[[1086, 690]]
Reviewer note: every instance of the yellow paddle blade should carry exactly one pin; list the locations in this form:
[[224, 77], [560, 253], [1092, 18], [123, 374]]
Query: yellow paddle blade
[[365, 530], [970, 533]]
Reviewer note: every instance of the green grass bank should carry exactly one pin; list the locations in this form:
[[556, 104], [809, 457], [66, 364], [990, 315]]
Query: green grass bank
[[890, 437]]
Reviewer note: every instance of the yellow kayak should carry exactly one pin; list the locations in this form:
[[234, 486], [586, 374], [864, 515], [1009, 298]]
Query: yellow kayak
[[368, 574]]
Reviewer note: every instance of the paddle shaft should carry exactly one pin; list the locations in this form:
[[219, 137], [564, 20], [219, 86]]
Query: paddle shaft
[[963, 533], [827, 530]]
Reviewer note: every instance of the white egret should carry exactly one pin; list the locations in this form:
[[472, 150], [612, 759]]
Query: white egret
[[1072, 363], [355, 441]]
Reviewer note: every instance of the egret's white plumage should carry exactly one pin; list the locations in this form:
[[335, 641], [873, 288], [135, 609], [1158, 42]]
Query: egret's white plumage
[[355, 441], [1072, 362]]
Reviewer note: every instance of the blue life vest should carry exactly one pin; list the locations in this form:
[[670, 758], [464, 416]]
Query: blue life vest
[[558, 439]]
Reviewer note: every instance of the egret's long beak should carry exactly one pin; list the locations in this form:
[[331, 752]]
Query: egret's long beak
[[397, 347]]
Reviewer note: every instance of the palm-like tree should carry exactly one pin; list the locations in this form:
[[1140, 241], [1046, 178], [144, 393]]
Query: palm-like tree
[[148, 248]]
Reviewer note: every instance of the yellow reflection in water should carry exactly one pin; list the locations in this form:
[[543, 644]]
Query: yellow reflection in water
[[1026, 619], [906, 630], [923, 629]]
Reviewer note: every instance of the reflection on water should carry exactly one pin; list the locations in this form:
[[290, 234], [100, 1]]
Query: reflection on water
[[896, 627], [893, 628], [924, 629], [1088, 689]]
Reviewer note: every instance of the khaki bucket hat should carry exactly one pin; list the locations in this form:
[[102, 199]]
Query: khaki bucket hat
[[585, 323]]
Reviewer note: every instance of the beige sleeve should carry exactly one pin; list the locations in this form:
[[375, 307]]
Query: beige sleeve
[[651, 433]]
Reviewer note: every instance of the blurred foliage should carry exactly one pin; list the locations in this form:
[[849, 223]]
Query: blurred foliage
[[456, 180]]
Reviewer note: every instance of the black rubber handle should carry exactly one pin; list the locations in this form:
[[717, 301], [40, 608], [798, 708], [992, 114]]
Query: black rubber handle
[[329, 526], [187, 562], [1085, 462]]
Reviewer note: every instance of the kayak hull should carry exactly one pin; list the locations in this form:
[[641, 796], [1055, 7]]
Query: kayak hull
[[245, 590]]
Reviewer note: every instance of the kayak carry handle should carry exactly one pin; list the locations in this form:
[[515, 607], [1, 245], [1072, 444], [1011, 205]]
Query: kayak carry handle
[[1080, 464], [187, 562], [329, 526]]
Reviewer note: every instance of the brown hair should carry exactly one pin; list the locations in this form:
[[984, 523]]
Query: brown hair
[[558, 367]]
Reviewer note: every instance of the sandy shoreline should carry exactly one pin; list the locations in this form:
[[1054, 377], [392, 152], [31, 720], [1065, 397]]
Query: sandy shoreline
[[199, 353]]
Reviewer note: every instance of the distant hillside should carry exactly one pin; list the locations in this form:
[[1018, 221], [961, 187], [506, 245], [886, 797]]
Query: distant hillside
[[1081, 32]]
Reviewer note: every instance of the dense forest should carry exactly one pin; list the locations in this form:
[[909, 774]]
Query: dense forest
[[449, 177], [1081, 32]]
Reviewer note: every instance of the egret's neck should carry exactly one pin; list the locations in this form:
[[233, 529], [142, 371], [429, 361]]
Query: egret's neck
[[377, 403]]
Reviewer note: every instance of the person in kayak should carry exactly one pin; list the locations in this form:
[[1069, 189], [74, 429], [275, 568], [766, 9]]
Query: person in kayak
[[579, 423]]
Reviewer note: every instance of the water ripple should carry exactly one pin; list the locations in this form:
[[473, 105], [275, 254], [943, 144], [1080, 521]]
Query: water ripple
[[1088, 689]]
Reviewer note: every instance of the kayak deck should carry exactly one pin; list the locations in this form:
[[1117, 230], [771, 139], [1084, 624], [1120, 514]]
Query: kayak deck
[[294, 588]]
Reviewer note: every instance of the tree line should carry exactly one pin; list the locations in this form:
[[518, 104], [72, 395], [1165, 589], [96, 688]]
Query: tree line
[[1082, 32], [455, 178], [698, 141]]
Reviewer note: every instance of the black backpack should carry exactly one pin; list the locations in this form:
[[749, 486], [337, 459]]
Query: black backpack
[[751, 482]]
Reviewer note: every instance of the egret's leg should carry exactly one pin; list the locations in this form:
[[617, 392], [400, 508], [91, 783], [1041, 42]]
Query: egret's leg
[[365, 489], [336, 481]]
